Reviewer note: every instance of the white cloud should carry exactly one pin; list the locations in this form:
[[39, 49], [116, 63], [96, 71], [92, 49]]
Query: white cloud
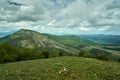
[[84, 24], [51, 23], [105, 28], [85, 29], [61, 16]]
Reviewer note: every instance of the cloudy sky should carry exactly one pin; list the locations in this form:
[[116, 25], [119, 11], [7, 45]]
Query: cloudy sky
[[60, 16]]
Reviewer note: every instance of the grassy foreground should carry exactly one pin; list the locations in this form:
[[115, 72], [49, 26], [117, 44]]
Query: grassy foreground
[[61, 68]]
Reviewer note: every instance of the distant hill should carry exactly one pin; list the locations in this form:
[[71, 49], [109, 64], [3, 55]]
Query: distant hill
[[61, 68], [92, 44], [72, 40], [86, 40], [31, 39], [103, 39]]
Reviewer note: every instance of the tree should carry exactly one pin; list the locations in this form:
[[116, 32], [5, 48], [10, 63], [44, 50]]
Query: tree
[[81, 53], [118, 60], [2, 54], [60, 54], [46, 54], [101, 57]]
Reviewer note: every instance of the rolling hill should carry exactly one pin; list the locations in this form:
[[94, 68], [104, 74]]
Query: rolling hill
[[93, 44], [107, 40], [72, 40], [61, 68]]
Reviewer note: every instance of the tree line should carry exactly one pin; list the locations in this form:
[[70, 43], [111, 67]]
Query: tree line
[[9, 53], [99, 56]]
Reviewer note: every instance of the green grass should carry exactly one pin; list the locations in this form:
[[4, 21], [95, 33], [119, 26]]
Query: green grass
[[49, 69], [72, 40]]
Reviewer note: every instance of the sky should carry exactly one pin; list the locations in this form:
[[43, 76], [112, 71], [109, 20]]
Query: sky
[[60, 16]]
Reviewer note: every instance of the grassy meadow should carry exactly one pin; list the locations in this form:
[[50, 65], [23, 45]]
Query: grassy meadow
[[61, 68]]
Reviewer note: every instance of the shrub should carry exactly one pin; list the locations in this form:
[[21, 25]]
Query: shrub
[[81, 53], [118, 60], [46, 54], [101, 57], [60, 54]]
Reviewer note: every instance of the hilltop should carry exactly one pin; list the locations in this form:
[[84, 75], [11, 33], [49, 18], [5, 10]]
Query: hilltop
[[61, 68]]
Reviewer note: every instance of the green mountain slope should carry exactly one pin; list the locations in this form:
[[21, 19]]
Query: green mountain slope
[[72, 40], [83, 42], [111, 54], [61, 68], [31, 39], [55, 44], [103, 39]]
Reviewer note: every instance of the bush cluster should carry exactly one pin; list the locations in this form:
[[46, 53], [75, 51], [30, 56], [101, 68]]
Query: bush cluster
[[9, 53], [96, 56]]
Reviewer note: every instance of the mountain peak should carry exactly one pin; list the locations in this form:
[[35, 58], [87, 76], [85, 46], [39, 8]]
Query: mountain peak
[[22, 30], [26, 32], [31, 39]]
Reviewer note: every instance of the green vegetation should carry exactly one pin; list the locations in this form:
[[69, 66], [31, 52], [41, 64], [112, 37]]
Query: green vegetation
[[101, 57], [27, 44], [93, 44], [61, 68], [12, 54], [118, 60], [9, 53], [82, 63], [72, 40], [81, 54], [111, 54], [34, 40], [96, 56], [116, 48], [107, 40]]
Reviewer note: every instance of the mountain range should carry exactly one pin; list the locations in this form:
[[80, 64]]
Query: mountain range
[[72, 44]]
